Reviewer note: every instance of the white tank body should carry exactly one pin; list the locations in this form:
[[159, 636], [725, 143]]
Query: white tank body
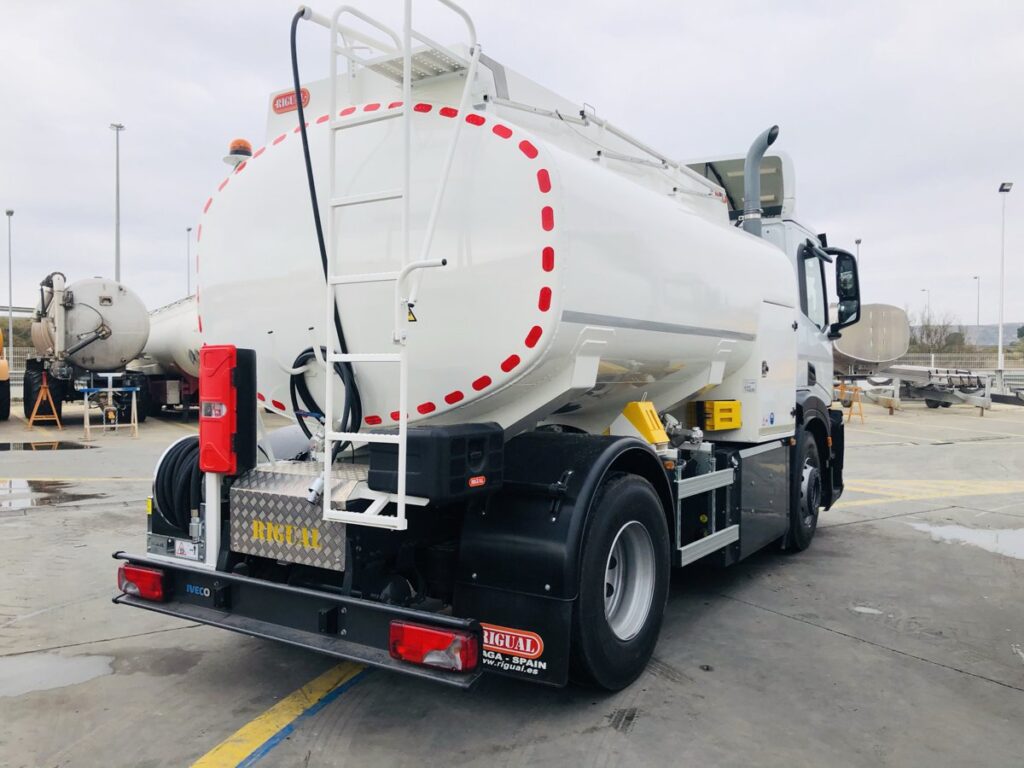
[[174, 339], [93, 308], [571, 286], [880, 338]]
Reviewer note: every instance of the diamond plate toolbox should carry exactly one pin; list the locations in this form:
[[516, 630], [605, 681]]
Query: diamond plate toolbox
[[270, 516]]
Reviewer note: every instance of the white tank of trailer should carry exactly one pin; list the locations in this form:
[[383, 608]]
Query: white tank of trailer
[[572, 286], [174, 339], [880, 338], [105, 311]]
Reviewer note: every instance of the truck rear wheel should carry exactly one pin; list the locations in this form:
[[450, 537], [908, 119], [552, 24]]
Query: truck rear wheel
[[624, 577], [806, 493], [31, 385]]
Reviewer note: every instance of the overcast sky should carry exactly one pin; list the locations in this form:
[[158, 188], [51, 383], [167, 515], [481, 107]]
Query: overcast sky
[[902, 118]]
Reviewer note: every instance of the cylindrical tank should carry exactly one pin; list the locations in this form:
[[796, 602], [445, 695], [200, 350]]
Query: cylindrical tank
[[96, 324], [880, 338], [568, 287], [174, 339]]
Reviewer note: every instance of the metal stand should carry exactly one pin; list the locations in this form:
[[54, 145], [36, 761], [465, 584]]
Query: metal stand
[[44, 396]]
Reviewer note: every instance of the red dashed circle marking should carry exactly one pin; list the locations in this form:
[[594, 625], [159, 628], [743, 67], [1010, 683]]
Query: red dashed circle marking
[[509, 363], [223, 184], [547, 254], [261, 397], [547, 218], [544, 299]]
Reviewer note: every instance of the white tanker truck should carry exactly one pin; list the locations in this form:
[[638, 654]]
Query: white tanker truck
[[84, 335], [539, 364]]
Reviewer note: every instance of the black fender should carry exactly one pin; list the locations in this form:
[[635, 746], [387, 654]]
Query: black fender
[[814, 415], [519, 556]]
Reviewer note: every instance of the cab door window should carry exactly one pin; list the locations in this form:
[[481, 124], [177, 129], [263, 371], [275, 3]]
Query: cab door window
[[812, 287]]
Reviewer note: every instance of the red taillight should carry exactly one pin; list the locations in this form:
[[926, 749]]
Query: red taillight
[[443, 648], [147, 583]]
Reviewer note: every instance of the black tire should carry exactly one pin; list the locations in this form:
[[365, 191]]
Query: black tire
[[932, 403], [627, 507], [33, 382], [805, 494], [5, 400], [946, 405]]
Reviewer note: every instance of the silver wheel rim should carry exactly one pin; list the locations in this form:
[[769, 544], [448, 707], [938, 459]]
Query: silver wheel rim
[[810, 493], [629, 580]]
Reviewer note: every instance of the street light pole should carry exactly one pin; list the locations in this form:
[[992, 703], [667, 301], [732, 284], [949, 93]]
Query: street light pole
[[1004, 190], [188, 261], [10, 293], [928, 304], [857, 243], [117, 128], [977, 320]]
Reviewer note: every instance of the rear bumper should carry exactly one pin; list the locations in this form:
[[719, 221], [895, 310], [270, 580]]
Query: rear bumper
[[336, 625]]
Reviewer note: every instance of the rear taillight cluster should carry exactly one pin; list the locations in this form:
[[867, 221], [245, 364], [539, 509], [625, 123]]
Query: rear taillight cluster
[[147, 583], [433, 647]]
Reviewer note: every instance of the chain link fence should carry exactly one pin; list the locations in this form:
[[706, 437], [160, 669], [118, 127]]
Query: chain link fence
[[18, 357]]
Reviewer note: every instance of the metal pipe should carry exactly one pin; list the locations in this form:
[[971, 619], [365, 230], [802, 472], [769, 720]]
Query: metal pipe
[[752, 180], [117, 128]]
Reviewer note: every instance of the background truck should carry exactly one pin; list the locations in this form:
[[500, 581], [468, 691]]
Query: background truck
[[5, 381], [84, 335], [537, 362], [170, 359]]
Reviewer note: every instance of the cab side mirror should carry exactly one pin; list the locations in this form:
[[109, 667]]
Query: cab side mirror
[[847, 291]]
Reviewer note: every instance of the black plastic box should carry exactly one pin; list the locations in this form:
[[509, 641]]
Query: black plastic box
[[444, 463]]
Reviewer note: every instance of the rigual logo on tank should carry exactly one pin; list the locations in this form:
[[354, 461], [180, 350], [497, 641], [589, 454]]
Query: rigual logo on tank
[[285, 102], [524, 644]]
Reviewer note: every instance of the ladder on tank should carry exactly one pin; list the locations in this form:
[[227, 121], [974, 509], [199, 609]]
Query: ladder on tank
[[429, 60]]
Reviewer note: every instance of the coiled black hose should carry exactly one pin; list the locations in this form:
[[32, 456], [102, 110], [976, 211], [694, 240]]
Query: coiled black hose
[[352, 414], [178, 488]]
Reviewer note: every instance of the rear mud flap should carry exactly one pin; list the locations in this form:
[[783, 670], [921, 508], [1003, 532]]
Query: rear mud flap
[[524, 636]]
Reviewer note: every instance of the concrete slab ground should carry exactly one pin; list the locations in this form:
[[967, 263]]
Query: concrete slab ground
[[897, 639]]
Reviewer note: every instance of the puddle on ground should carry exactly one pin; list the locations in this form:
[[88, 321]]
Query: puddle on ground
[[866, 610], [26, 494], [46, 445], [1007, 541], [32, 672]]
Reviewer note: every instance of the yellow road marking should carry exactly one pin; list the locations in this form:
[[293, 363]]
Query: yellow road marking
[[887, 491], [254, 734]]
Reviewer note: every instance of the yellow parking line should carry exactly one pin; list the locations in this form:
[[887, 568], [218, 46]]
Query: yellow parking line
[[257, 737], [942, 493]]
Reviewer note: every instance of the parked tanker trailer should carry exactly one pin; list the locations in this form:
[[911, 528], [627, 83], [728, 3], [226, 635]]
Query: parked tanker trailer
[[170, 359], [84, 334], [539, 364]]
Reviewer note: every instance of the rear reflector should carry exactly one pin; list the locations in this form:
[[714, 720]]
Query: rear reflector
[[147, 583], [432, 647]]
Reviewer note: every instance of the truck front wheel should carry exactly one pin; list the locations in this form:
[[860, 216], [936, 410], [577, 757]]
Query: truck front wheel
[[806, 493], [624, 579]]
